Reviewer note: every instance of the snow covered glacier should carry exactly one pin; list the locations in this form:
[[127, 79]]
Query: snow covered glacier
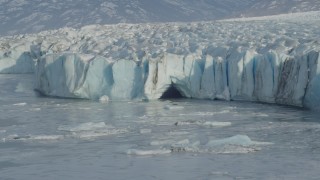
[[266, 61]]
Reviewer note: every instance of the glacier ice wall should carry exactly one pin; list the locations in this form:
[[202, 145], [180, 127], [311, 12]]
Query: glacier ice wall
[[270, 78], [17, 58], [264, 61]]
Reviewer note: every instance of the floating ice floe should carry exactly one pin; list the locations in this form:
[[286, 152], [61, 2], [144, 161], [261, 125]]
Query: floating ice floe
[[206, 113], [86, 131], [104, 99], [90, 126], [20, 104], [241, 140], [148, 152], [98, 133], [16, 137], [239, 144], [91, 130], [145, 131], [173, 107], [203, 123], [35, 109]]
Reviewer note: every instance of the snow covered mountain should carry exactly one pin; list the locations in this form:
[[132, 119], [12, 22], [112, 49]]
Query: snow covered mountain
[[26, 16], [272, 7]]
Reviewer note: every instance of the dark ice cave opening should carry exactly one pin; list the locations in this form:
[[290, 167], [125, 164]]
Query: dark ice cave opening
[[171, 93]]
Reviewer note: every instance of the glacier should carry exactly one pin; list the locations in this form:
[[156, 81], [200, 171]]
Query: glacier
[[16, 58], [270, 61]]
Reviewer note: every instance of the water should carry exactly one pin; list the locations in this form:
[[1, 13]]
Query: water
[[49, 138]]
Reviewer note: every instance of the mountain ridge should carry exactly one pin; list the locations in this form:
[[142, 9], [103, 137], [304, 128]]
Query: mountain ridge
[[32, 16]]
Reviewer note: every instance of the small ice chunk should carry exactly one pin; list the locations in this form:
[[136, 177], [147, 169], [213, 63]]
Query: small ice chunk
[[234, 140], [145, 131], [203, 123], [35, 137], [173, 143], [205, 113], [20, 104], [85, 108], [84, 127], [235, 150], [183, 142], [179, 149], [97, 134], [160, 142], [261, 115], [216, 124], [238, 140], [168, 107], [186, 146], [144, 117], [47, 137], [35, 109], [148, 152], [104, 99], [177, 133]]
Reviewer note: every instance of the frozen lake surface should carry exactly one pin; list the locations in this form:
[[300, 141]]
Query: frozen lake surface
[[48, 138]]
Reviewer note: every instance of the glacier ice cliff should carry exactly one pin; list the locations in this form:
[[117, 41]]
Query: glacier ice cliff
[[265, 61], [17, 58], [270, 78]]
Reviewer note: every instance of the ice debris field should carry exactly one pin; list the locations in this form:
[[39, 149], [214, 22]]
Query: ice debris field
[[263, 60]]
